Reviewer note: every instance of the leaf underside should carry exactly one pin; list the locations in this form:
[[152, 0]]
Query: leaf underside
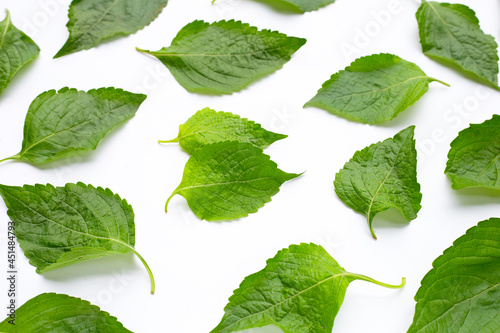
[[49, 313], [225, 56], [94, 21], [373, 89], [208, 126], [228, 180], [474, 157], [451, 34], [461, 292], [382, 176]]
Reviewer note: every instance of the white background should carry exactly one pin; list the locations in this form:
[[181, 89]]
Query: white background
[[197, 264]]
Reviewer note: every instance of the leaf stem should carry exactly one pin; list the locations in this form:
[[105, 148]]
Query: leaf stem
[[151, 277], [369, 279], [170, 198], [143, 51], [169, 141], [15, 157], [370, 224], [436, 80]]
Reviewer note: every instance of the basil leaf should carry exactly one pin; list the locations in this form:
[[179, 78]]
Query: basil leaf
[[300, 290], [60, 226], [225, 56], [373, 89], [461, 291], [50, 313], [208, 126], [60, 124], [229, 180], [16, 51], [94, 21], [382, 176], [450, 33], [474, 157]]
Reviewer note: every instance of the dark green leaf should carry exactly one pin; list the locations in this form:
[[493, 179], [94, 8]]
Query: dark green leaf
[[373, 89], [461, 292], [59, 226], [225, 56], [229, 180], [208, 126], [300, 290], [382, 176]]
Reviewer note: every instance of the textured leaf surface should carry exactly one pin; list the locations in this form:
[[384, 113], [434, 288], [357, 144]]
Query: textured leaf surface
[[208, 126], [461, 292], [225, 56], [228, 180], [373, 89], [308, 5], [382, 176], [59, 226], [63, 123], [16, 51], [50, 313], [474, 158], [451, 33], [93, 21], [300, 290]]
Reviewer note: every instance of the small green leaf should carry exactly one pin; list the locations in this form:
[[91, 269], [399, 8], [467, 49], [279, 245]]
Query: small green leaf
[[59, 226], [307, 5], [225, 56], [208, 126], [94, 21], [373, 89], [228, 180], [60, 124], [474, 157], [461, 292], [50, 313], [450, 33], [300, 290], [382, 176], [16, 51]]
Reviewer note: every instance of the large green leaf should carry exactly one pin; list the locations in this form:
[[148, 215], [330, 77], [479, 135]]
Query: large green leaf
[[225, 56], [208, 126], [382, 176], [474, 157], [461, 292], [451, 34], [51, 313], [93, 21], [300, 290], [59, 226], [63, 123], [229, 180], [373, 89], [16, 51]]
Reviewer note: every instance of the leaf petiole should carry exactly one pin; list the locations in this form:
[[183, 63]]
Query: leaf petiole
[[439, 81], [369, 279], [169, 141], [151, 277], [15, 157]]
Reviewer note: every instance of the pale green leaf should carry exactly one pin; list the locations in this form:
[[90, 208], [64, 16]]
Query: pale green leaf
[[59, 226], [474, 157], [94, 21], [461, 292], [228, 180], [373, 89], [225, 56], [300, 290], [382, 176], [208, 126]]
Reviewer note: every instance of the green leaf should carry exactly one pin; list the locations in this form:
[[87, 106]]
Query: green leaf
[[305, 5], [59, 226], [450, 33], [16, 51], [228, 180], [300, 290], [50, 313], [474, 157], [373, 89], [225, 56], [208, 126], [461, 292], [94, 21], [382, 176], [60, 124]]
